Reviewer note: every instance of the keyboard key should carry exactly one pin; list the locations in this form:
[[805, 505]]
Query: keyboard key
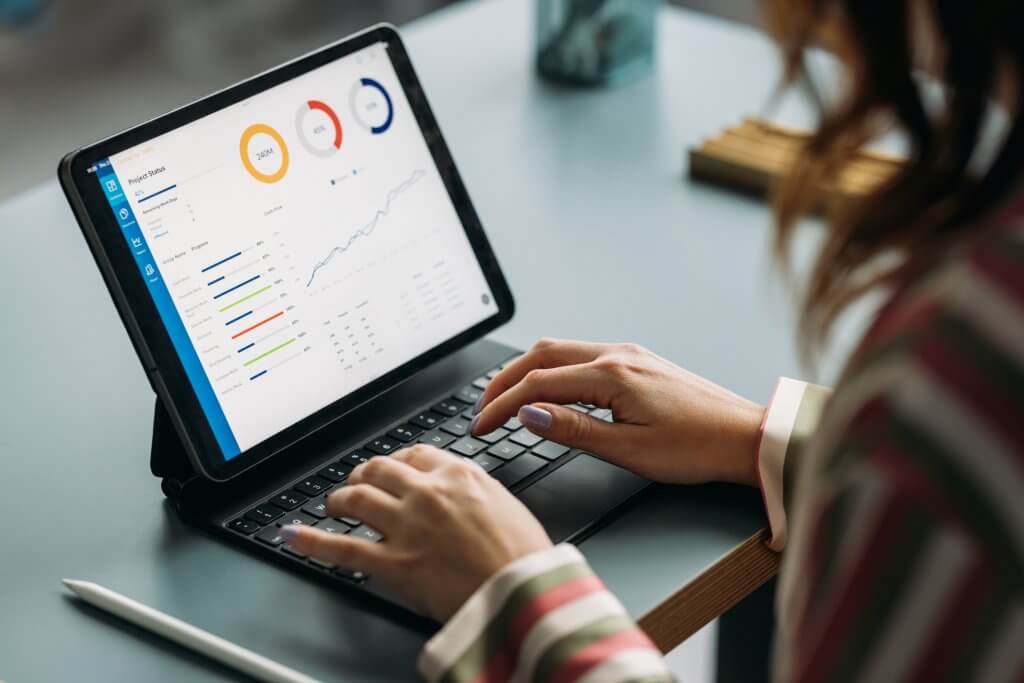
[[313, 486], [405, 433], [510, 361], [588, 406], [602, 414], [517, 470], [351, 575], [427, 420], [316, 508], [468, 414], [458, 426], [383, 446], [506, 450], [468, 446], [513, 424], [448, 408], [331, 526], [495, 436], [244, 526], [578, 408], [289, 500], [292, 551], [320, 563], [481, 383], [298, 519], [489, 463], [264, 514], [271, 536], [437, 438], [355, 458], [524, 437], [351, 521], [366, 533], [335, 473], [493, 373], [468, 395], [549, 450]]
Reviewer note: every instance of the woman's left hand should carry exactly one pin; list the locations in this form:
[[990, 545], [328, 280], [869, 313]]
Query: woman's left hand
[[447, 527]]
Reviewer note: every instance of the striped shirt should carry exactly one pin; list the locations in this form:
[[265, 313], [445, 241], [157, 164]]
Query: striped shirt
[[898, 501]]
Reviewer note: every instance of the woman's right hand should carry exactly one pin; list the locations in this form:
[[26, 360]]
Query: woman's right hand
[[670, 425]]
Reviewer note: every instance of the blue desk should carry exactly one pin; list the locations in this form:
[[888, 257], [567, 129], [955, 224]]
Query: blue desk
[[584, 197]]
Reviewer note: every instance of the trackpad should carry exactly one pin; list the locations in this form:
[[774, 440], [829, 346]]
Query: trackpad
[[578, 494]]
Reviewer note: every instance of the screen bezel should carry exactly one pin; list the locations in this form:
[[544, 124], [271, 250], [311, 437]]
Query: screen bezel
[[139, 313]]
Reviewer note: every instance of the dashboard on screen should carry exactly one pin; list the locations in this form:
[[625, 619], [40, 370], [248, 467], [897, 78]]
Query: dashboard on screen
[[297, 245]]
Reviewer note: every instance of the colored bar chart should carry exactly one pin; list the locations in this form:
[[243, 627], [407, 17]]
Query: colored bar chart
[[221, 262], [245, 298], [258, 325], [237, 318], [157, 193], [272, 351], [238, 286]]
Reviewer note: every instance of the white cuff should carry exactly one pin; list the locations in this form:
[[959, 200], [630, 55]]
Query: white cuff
[[776, 430]]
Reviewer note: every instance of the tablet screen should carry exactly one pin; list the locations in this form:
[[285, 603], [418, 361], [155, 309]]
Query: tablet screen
[[297, 245]]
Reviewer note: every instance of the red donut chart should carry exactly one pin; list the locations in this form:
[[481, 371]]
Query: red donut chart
[[315, 146], [320, 106]]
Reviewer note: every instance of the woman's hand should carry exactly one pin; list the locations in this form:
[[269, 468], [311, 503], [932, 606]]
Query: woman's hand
[[670, 425], [447, 527]]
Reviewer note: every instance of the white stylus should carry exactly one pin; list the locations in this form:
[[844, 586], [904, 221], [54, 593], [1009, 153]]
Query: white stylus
[[194, 638]]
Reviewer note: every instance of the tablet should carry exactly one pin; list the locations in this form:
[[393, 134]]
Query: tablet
[[284, 250]]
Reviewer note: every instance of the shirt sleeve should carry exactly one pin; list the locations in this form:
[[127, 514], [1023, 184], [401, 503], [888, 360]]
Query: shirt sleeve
[[545, 617], [790, 420], [901, 565], [906, 552]]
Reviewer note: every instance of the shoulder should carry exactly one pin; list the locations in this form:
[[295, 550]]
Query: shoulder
[[933, 401]]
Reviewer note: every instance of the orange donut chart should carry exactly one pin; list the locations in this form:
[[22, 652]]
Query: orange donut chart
[[247, 136]]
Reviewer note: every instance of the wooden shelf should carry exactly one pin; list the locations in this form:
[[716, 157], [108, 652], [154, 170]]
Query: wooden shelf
[[718, 588]]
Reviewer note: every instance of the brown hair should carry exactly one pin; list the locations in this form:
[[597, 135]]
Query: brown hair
[[932, 204]]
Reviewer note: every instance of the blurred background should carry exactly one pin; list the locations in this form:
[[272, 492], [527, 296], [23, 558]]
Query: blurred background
[[73, 71]]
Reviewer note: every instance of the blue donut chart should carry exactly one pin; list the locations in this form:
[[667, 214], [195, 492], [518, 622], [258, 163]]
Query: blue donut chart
[[371, 83]]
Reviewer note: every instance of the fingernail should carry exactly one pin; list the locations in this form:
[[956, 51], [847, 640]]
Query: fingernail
[[476, 406], [534, 418], [289, 532], [473, 423]]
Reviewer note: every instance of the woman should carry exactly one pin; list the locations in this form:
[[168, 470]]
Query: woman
[[898, 502]]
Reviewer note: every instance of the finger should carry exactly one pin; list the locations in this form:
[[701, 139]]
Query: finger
[[569, 384], [394, 476], [545, 354], [351, 553], [423, 458], [572, 428], [367, 503]]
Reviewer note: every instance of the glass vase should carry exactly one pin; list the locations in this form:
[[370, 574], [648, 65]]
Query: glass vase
[[595, 42]]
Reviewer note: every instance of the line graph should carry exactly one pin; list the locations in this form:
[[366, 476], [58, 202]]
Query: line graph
[[368, 229]]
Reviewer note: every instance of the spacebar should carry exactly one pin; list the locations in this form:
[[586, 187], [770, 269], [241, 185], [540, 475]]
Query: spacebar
[[578, 494]]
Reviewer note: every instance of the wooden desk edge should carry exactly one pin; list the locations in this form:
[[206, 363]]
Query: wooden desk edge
[[725, 583]]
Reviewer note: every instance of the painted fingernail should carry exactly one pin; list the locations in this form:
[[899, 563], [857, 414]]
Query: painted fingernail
[[289, 532], [534, 418], [473, 423], [477, 405]]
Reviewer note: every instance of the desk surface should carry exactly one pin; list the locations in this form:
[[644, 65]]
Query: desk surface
[[583, 196]]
